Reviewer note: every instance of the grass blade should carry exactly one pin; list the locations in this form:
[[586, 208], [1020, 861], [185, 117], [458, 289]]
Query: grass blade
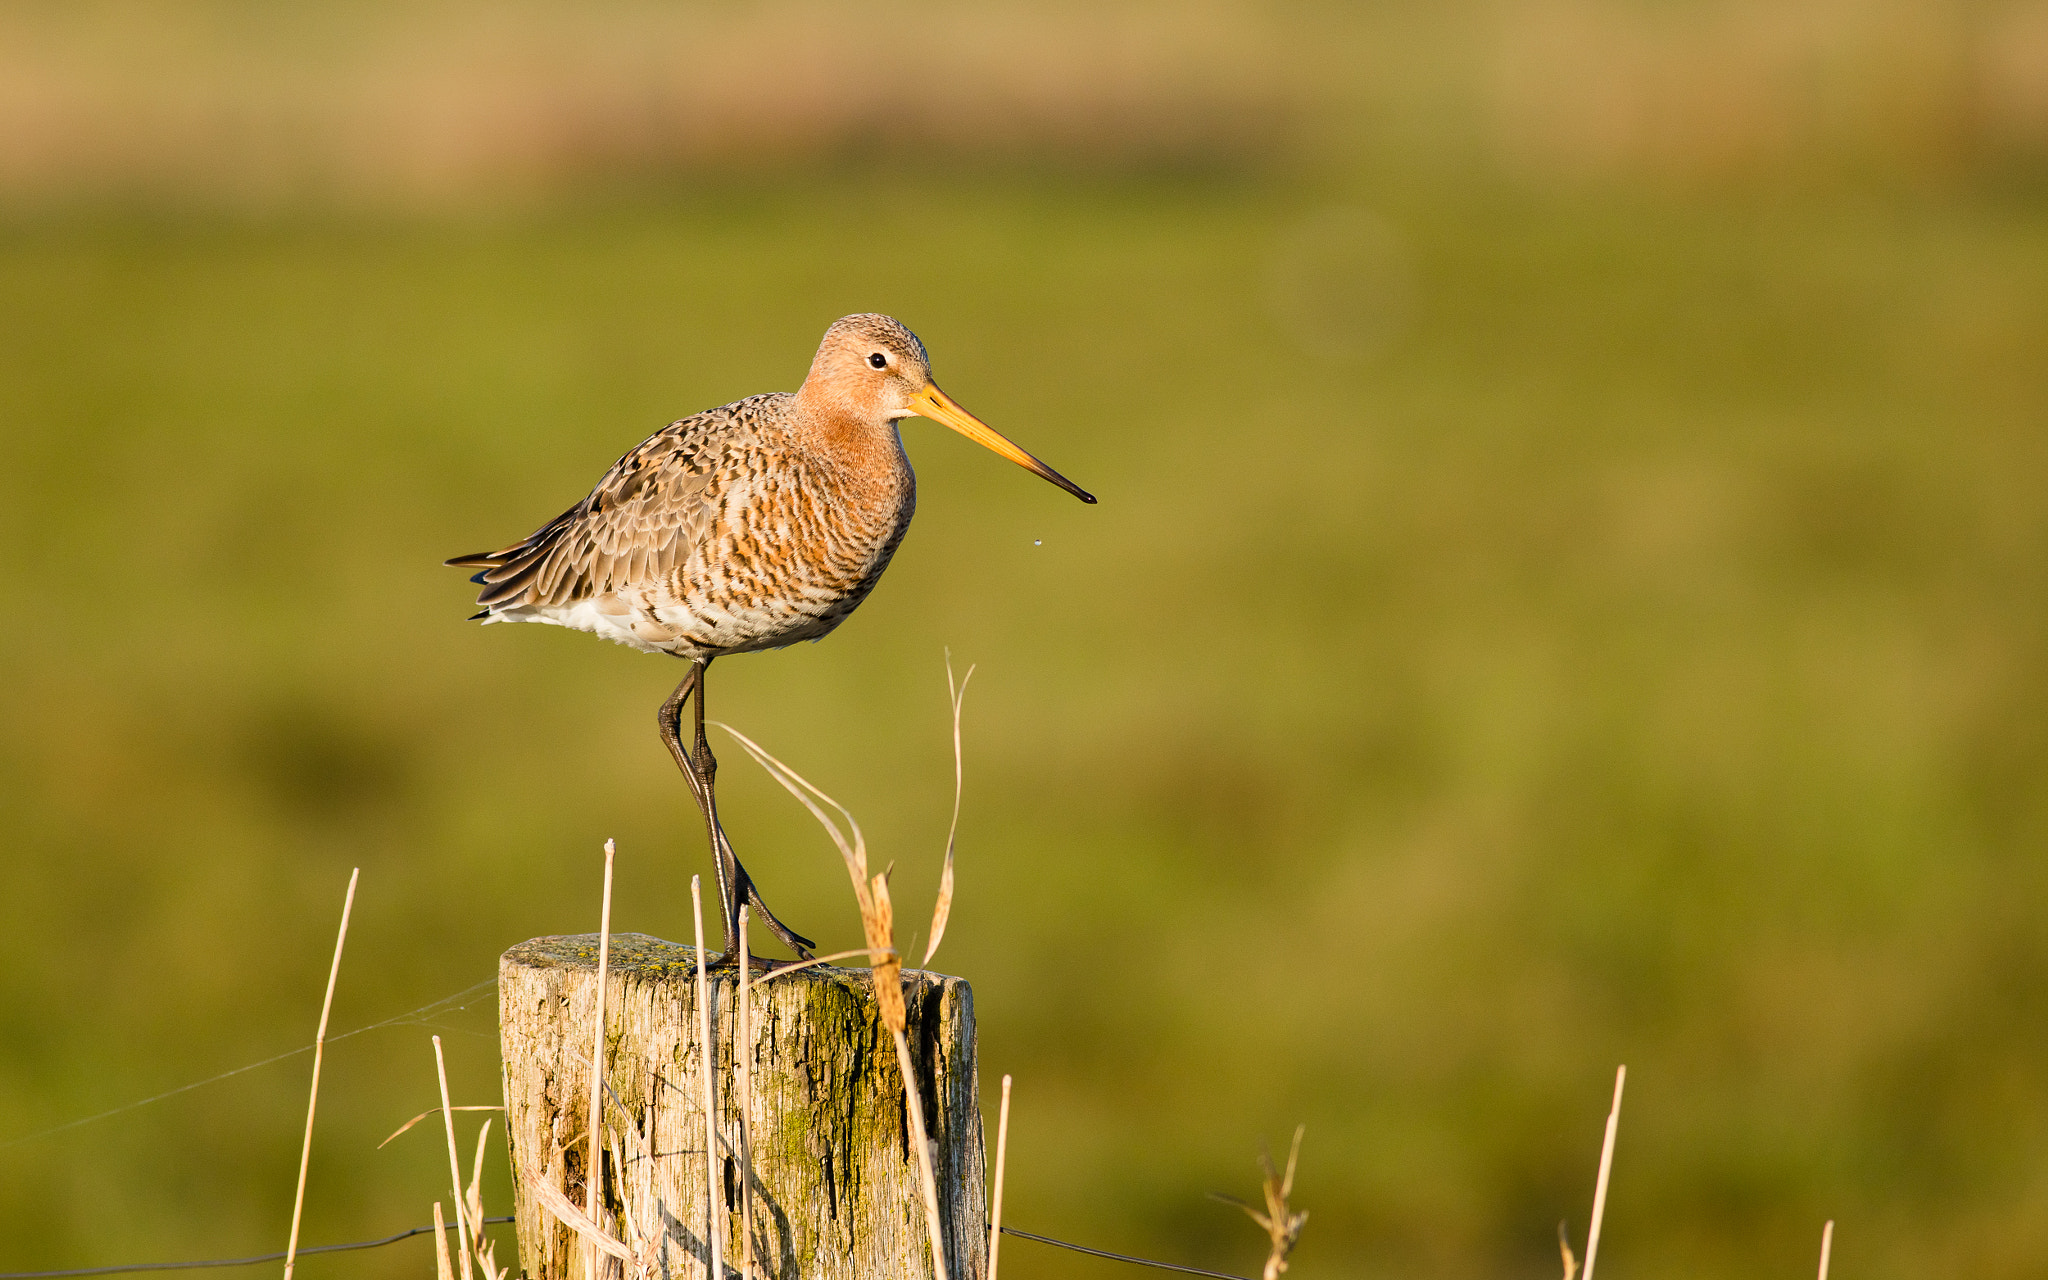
[[291, 1250], [454, 1161], [565, 1210], [853, 849], [443, 1270], [914, 1104], [995, 1224], [1606, 1163], [430, 1111], [743, 1058], [592, 1168], [944, 906], [714, 1214]]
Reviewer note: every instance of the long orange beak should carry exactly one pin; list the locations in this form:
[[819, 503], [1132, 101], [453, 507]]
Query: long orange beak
[[937, 405]]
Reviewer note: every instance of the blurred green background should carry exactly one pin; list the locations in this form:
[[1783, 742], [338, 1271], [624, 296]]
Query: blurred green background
[[1568, 589]]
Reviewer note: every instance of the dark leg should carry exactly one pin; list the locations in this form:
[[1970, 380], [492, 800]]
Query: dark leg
[[700, 768], [732, 875], [670, 718]]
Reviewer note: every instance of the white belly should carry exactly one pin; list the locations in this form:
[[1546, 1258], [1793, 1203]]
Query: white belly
[[700, 630]]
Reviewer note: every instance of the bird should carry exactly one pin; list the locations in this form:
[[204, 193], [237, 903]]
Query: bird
[[746, 527]]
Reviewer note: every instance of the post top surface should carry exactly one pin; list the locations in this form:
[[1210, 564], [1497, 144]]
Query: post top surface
[[645, 956]]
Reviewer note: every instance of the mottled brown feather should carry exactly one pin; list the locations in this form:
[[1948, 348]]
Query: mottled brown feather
[[652, 506], [750, 526]]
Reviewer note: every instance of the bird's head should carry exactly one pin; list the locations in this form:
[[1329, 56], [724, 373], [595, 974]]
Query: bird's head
[[872, 368]]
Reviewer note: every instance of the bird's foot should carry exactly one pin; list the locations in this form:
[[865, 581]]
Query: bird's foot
[[790, 938], [729, 962]]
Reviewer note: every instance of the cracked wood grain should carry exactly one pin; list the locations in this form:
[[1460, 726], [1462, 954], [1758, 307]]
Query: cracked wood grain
[[834, 1175]]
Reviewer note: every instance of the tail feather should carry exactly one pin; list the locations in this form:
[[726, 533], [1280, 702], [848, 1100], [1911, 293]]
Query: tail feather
[[518, 576], [506, 575]]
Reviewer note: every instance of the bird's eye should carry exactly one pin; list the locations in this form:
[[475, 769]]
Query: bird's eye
[[879, 360]]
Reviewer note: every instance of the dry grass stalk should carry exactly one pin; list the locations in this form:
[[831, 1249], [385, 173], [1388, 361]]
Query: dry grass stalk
[[442, 1268], [913, 1102], [637, 1177], [635, 1258], [473, 1201], [1606, 1164], [291, 1251], [853, 849], [714, 1216], [995, 1220], [944, 906], [551, 1198], [878, 920], [1564, 1246], [876, 915], [1827, 1246], [430, 1111], [743, 1057], [454, 1161], [592, 1169], [784, 970], [889, 995], [1282, 1224], [469, 1203], [879, 923]]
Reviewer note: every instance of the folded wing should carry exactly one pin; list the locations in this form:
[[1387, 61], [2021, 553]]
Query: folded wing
[[636, 527]]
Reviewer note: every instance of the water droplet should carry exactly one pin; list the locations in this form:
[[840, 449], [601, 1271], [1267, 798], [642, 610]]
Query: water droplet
[[1038, 542]]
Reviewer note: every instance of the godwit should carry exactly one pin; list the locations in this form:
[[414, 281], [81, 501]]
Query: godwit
[[750, 526]]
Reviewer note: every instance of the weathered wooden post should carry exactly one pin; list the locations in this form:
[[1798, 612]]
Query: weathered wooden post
[[836, 1193]]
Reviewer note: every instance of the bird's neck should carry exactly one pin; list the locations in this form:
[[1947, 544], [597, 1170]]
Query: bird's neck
[[855, 438]]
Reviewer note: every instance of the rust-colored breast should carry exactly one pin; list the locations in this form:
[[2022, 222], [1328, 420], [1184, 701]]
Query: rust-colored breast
[[804, 522]]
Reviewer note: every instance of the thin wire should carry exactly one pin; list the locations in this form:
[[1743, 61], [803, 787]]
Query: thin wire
[[406, 1235], [416, 1017], [225, 1262], [1099, 1253]]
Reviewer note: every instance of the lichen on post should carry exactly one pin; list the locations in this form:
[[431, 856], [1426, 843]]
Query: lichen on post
[[835, 1179]]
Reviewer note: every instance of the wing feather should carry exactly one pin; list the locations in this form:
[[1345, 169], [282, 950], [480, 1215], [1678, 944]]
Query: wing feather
[[640, 522]]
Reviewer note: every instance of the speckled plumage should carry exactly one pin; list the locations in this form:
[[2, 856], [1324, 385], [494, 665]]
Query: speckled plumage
[[745, 527], [721, 533], [750, 526]]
